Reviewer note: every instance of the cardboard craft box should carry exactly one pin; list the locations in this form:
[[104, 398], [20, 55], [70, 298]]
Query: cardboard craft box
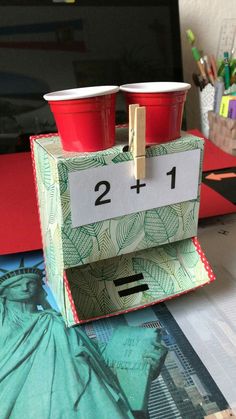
[[112, 243]]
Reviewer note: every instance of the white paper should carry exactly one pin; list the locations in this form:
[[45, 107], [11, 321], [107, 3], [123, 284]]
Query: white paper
[[208, 316]]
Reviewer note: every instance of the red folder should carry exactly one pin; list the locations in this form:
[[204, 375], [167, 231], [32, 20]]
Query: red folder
[[19, 220]]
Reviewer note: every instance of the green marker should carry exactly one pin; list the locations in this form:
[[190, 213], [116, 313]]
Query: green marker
[[190, 36], [227, 70], [196, 54], [197, 58]]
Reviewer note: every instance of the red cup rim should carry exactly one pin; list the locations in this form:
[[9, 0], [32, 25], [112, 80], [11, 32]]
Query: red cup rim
[[80, 93], [155, 87]]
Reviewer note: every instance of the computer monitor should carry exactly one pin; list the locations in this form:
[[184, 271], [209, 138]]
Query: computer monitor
[[50, 45]]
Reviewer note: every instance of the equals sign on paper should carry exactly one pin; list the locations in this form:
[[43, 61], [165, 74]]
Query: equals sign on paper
[[129, 280]]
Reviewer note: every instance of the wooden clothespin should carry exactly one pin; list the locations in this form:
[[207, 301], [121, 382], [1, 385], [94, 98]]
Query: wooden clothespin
[[137, 128], [131, 125]]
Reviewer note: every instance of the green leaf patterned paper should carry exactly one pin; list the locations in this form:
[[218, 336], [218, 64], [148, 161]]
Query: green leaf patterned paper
[[77, 245], [165, 271], [128, 229], [161, 224], [162, 282]]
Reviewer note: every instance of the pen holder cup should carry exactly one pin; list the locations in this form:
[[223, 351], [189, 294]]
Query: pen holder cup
[[206, 101], [222, 132]]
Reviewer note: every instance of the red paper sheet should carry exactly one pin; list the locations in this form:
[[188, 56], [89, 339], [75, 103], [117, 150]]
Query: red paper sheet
[[211, 202], [214, 157], [19, 225]]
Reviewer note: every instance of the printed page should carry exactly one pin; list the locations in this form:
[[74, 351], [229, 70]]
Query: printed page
[[89, 371], [208, 316]]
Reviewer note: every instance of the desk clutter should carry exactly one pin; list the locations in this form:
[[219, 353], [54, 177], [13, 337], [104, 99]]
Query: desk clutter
[[119, 225], [215, 79], [222, 132]]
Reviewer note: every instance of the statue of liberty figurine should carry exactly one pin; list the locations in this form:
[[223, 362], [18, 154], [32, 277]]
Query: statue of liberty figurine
[[49, 371]]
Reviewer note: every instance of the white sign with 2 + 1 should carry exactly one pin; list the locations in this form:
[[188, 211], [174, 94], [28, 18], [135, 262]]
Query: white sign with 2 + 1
[[110, 191]]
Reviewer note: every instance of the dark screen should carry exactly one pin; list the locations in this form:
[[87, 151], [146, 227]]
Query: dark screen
[[55, 46]]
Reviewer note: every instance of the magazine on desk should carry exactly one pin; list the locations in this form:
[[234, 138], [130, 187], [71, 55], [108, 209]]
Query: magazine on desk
[[136, 365]]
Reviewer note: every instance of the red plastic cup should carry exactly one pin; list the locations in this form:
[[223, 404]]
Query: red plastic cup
[[164, 102], [85, 117]]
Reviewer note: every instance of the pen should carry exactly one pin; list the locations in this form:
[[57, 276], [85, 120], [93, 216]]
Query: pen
[[219, 91], [196, 55], [213, 66], [199, 81], [197, 58], [209, 70], [233, 70]]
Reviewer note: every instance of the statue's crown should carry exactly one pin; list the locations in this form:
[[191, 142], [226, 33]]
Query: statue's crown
[[22, 270]]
